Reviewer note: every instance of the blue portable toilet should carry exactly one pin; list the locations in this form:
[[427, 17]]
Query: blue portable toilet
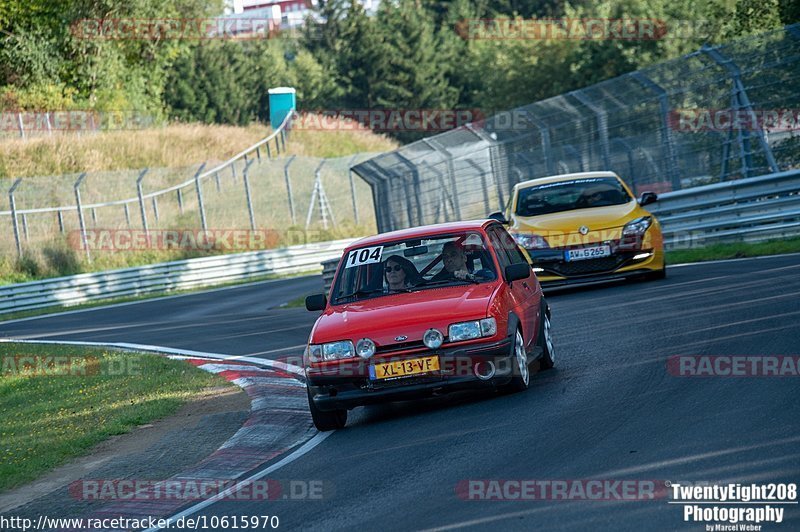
[[282, 101]]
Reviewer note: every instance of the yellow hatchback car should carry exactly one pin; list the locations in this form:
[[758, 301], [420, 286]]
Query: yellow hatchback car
[[585, 227]]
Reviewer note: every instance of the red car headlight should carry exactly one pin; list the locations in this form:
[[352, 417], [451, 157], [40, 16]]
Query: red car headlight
[[331, 351]]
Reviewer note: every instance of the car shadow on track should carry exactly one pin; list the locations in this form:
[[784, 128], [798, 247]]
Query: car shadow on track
[[373, 414]]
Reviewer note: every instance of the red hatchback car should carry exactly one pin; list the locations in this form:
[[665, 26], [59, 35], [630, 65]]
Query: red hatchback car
[[425, 311]]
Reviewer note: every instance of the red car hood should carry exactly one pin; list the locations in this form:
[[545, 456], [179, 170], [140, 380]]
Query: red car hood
[[384, 318]]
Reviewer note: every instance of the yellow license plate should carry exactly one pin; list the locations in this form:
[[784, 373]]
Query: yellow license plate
[[403, 368]]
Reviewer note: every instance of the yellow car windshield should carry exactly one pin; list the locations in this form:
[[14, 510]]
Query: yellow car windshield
[[569, 195]]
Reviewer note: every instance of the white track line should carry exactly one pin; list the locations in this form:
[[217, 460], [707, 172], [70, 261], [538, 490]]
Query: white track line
[[274, 364], [300, 451], [294, 455], [721, 261]]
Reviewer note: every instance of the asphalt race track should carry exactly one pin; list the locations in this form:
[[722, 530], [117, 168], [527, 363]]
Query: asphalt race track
[[610, 410]]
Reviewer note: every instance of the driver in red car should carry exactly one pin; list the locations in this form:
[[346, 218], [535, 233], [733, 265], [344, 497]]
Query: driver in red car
[[454, 258]]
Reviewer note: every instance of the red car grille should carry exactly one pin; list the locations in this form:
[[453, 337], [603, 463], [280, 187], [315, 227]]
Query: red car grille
[[402, 346]]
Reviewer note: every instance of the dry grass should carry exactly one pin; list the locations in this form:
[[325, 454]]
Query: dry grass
[[170, 146], [176, 145], [173, 153], [338, 143]]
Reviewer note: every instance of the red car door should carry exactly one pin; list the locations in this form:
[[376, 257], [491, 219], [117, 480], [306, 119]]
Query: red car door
[[523, 294]]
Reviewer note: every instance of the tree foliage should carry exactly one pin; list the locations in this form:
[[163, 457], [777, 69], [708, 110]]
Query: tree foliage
[[411, 54]]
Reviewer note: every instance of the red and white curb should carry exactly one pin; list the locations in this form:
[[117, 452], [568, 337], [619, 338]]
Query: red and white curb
[[279, 421]]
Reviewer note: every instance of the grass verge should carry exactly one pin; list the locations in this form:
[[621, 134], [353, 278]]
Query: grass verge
[[734, 251], [60, 409], [174, 145]]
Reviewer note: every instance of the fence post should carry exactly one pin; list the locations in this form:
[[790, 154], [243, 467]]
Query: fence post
[[417, 194], [127, 215], [575, 153], [743, 101], [289, 188], [200, 196], [673, 170], [249, 198], [544, 134], [142, 211], [484, 185], [629, 152], [283, 139], [454, 199], [602, 125], [216, 179], [84, 240], [25, 227], [21, 126], [353, 187], [258, 154], [269, 151], [60, 221], [155, 207], [180, 200], [443, 197], [319, 195], [14, 215], [493, 163]]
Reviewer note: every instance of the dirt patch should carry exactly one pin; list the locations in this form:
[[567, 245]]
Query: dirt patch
[[152, 451]]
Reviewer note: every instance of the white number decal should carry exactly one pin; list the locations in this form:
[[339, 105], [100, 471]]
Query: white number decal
[[361, 256]]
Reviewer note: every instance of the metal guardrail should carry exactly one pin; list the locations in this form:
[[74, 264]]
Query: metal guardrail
[[753, 209], [167, 276], [328, 271], [747, 209]]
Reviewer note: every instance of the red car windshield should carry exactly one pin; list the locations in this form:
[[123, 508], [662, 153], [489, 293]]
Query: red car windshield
[[412, 265]]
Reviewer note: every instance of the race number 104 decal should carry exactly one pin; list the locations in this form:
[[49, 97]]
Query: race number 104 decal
[[358, 257]]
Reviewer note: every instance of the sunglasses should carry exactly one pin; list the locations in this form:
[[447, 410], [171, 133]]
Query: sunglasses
[[394, 269]]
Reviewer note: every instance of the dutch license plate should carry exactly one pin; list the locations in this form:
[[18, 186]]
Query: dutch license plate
[[593, 252], [404, 368]]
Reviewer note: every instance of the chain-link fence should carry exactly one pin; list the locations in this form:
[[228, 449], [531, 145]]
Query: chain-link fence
[[292, 199], [718, 114]]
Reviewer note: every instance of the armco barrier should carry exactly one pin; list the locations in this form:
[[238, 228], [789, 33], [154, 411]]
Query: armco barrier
[[163, 277], [758, 208]]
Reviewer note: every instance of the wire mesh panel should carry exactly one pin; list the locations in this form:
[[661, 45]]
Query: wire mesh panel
[[286, 201], [718, 114]]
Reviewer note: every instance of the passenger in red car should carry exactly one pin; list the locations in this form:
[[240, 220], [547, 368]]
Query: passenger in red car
[[400, 273]]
